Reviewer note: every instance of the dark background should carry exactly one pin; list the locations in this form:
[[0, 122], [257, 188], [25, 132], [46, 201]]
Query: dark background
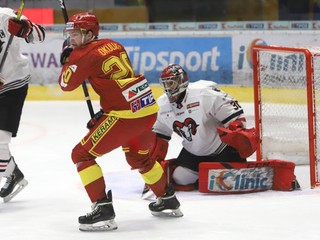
[[184, 10]]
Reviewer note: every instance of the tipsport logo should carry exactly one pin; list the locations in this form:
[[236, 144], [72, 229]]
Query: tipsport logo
[[195, 60], [245, 53], [240, 179]]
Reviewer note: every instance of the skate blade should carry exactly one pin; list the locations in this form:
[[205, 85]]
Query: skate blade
[[99, 226], [148, 194], [168, 213], [20, 186]]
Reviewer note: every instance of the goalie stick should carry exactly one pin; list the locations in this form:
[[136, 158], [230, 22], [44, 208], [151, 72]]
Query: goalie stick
[[84, 86], [5, 54]]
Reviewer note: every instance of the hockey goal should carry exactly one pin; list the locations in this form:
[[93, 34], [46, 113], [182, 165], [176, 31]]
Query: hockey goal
[[286, 95]]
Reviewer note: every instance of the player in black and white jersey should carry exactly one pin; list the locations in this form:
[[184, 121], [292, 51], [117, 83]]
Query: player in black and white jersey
[[14, 79], [207, 119]]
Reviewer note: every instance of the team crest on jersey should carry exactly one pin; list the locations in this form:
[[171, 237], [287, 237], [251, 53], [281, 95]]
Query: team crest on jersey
[[186, 129]]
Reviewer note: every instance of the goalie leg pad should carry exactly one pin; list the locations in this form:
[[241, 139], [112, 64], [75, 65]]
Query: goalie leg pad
[[284, 177], [170, 168], [230, 177], [185, 188]]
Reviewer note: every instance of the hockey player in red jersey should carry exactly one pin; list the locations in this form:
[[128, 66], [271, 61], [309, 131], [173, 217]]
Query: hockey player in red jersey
[[210, 122], [14, 80], [128, 112]]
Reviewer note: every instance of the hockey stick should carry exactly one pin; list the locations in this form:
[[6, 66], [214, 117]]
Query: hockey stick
[[5, 54], [84, 86]]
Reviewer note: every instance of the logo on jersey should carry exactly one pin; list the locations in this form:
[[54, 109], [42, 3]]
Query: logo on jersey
[[103, 128], [142, 102], [136, 90], [185, 129]]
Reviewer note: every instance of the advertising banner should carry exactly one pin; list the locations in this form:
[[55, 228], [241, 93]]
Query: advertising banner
[[223, 57], [242, 45], [202, 57]]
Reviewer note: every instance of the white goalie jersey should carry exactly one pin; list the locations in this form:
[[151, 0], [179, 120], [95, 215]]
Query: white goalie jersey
[[15, 71], [204, 108]]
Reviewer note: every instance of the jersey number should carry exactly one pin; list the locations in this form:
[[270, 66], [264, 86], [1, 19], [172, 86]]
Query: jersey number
[[235, 105], [117, 67]]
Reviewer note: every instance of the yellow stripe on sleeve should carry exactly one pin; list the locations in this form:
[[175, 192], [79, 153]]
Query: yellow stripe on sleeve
[[90, 174], [153, 175]]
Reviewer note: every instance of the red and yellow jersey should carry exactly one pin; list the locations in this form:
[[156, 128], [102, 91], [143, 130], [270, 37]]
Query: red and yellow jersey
[[107, 67]]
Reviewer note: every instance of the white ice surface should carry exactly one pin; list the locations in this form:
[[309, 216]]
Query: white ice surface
[[48, 208]]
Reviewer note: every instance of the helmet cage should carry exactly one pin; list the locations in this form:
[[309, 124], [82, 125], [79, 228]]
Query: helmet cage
[[174, 81]]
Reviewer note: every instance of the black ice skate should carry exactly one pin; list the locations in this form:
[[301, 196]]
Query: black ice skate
[[13, 185], [166, 205], [101, 218], [295, 184]]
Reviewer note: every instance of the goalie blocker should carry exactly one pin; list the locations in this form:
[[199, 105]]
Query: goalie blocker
[[231, 177]]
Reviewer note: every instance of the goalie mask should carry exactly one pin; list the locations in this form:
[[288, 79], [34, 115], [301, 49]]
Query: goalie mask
[[84, 22], [174, 81]]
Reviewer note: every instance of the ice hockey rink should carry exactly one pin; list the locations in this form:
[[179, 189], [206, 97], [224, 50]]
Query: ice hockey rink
[[48, 208]]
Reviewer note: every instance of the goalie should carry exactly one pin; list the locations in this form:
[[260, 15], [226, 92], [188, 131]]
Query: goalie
[[210, 122]]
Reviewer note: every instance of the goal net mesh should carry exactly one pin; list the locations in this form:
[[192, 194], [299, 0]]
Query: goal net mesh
[[283, 102]]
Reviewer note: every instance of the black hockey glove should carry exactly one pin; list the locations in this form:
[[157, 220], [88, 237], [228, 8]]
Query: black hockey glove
[[95, 119], [65, 55], [66, 43]]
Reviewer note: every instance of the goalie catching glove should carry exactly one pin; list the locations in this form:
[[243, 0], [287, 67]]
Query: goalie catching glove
[[245, 141], [20, 28]]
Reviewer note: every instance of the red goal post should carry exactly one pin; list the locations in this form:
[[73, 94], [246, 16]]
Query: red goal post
[[286, 95]]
